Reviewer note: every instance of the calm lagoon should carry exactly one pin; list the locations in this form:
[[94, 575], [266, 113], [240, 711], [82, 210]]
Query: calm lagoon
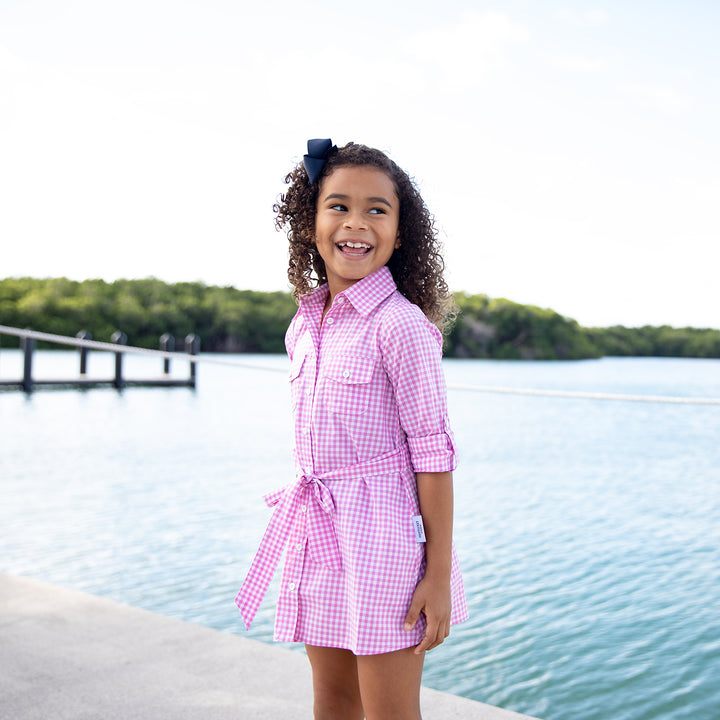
[[587, 530]]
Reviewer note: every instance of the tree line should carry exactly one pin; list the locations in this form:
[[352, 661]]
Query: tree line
[[232, 320]]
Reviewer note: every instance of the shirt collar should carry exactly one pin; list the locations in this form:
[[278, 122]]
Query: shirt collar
[[312, 304], [366, 294], [317, 297]]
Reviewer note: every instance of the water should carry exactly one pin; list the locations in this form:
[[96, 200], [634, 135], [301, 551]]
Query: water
[[587, 531]]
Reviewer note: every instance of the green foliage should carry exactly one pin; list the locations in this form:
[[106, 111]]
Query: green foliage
[[230, 320], [650, 341], [506, 330], [224, 318]]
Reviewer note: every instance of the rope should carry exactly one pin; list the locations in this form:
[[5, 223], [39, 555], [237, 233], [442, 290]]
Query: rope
[[587, 395], [116, 348], [94, 344], [113, 347]]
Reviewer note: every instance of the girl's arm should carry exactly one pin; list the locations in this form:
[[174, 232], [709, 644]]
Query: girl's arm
[[432, 595]]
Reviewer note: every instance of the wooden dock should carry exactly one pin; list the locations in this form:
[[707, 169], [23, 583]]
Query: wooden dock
[[119, 347], [86, 383]]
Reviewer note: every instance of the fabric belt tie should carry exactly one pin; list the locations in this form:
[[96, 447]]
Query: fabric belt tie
[[310, 495]]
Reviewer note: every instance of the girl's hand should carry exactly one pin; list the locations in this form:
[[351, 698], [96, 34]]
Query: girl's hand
[[433, 599]]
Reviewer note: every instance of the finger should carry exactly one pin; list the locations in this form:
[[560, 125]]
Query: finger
[[439, 638], [423, 646], [436, 642], [413, 614], [429, 641]]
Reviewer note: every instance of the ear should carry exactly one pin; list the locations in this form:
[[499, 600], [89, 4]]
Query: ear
[[398, 242]]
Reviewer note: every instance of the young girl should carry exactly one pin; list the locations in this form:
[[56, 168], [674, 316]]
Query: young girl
[[371, 580]]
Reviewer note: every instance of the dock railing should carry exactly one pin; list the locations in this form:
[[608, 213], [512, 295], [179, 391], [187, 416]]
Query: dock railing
[[192, 347], [118, 346]]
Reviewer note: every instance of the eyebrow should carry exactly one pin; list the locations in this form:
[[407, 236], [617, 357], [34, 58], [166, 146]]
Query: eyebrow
[[340, 196]]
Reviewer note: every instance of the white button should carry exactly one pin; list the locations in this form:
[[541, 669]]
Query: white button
[[291, 586], [303, 508], [306, 431], [308, 393], [340, 300], [346, 374], [329, 320], [299, 547]]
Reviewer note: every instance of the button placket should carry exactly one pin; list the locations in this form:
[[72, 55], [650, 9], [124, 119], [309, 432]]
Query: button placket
[[305, 429], [295, 566]]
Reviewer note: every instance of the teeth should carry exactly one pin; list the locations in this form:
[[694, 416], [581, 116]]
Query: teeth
[[356, 245]]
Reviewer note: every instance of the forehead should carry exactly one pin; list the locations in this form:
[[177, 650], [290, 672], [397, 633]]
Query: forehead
[[358, 181]]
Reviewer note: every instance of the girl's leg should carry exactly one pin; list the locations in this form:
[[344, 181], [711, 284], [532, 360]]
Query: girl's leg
[[390, 684], [335, 684]]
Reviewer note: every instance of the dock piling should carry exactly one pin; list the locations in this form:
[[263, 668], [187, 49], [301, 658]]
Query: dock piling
[[119, 347], [83, 335], [167, 344], [28, 347], [192, 346], [119, 338]]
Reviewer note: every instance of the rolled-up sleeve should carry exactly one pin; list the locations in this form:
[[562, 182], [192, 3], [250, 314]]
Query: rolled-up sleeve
[[412, 356]]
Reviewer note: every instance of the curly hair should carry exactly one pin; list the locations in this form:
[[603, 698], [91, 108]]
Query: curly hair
[[416, 266]]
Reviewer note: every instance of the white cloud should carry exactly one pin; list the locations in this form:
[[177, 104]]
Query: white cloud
[[577, 63], [662, 98], [466, 53], [589, 18]]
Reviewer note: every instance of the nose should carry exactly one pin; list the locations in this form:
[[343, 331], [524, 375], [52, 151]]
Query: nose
[[355, 220]]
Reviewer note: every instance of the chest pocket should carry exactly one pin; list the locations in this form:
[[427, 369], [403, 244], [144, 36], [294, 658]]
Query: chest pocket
[[347, 384]]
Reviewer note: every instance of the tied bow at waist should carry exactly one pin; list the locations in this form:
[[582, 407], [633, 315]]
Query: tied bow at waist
[[310, 496]]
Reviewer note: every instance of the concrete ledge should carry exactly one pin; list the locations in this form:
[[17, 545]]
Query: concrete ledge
[[69, 655]]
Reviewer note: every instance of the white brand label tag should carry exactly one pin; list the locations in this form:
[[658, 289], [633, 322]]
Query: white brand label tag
[[419, 528]]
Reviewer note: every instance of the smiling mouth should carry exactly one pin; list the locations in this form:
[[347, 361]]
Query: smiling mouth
[[354, 248]]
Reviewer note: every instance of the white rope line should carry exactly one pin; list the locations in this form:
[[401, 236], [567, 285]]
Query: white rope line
[[113, 347], [94, 344], [130, 349], [587, 395]]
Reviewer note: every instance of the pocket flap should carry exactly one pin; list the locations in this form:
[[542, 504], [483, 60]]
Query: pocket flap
[[350, 369]]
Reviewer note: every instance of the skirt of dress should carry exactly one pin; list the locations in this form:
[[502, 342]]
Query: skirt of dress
[[361, 607]]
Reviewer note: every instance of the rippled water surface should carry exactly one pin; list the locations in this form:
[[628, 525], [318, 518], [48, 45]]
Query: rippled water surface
[[587, 530]]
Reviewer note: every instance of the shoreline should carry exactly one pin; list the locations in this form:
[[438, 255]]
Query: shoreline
[[67, 654]]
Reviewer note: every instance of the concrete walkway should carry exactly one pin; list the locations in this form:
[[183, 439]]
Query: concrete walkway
[[69, 655]]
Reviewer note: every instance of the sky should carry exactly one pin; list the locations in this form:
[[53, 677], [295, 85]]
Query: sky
[[569, 151]]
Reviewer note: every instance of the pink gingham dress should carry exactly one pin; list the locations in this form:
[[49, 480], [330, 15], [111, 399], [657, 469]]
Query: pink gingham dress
[[369, 399]]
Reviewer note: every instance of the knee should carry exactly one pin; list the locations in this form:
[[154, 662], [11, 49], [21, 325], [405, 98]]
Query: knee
[[332, 703]]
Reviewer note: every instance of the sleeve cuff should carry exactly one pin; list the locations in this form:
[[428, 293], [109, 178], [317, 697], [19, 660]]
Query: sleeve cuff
[[433, 453]]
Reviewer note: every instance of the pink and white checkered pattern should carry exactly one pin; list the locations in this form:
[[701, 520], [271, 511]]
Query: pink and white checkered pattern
[[369, 399]]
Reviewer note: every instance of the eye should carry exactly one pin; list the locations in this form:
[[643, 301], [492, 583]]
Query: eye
[[377, 211], [339, 207]]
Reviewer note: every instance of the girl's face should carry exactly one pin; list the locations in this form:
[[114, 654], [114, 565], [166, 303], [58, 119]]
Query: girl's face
[[356, 223]]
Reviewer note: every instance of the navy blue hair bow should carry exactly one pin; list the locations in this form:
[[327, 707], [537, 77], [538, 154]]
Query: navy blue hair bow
[[314, 161]]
